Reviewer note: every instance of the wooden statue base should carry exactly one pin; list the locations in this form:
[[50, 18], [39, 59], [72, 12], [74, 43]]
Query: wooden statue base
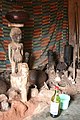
[[16, 81], [19, 83]]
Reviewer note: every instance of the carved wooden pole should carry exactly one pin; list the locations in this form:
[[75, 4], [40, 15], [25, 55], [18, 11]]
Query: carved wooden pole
[[76, 44]]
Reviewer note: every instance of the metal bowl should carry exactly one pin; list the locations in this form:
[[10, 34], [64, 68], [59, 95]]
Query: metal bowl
[[17, 16]]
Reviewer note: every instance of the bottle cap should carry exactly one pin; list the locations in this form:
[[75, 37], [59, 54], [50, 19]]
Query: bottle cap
[[56, 87]]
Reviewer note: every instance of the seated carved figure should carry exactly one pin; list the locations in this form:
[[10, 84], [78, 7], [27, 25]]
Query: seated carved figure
[[15, 49]]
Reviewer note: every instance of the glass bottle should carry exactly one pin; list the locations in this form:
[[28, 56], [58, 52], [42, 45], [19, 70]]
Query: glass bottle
[[55, 103]]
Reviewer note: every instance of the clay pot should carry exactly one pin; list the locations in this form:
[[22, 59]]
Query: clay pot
[[17, 16], [37, 77]]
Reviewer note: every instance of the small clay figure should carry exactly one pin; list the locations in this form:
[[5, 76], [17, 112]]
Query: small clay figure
[[26, 57], [51, 75], [34, 91], [15, 49]]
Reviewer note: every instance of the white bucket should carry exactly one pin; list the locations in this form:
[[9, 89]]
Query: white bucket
[[64, 101]]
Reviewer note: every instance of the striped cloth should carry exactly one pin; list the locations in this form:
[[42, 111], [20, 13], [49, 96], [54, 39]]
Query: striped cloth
[[46, 28]]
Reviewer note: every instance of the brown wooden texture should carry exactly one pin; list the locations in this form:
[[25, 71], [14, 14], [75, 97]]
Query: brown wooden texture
[[71, 16]]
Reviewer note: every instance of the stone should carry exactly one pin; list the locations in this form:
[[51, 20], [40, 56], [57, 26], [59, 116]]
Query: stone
[[4, 105], [13, 94], [3, 97]]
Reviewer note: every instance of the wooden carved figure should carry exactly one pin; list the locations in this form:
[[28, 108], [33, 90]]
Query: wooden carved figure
[[24, 82], [15, 49]]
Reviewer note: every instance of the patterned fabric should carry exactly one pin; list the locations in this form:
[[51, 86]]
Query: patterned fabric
[[46, 28]]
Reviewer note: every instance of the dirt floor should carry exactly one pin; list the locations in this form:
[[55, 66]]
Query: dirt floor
[[35, 110], [72, 113], [38, 108]]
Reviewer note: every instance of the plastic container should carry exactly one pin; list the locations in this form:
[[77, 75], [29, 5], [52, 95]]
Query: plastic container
[[64, 101]]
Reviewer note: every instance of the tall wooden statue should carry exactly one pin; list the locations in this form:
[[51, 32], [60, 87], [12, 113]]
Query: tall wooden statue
[[20, 70], [15, 49]]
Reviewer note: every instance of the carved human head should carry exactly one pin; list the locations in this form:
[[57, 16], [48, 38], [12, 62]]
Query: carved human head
[[16, 34]]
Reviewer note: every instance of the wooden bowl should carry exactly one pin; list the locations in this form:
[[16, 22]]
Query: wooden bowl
[[17, 16], [15, 0]]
